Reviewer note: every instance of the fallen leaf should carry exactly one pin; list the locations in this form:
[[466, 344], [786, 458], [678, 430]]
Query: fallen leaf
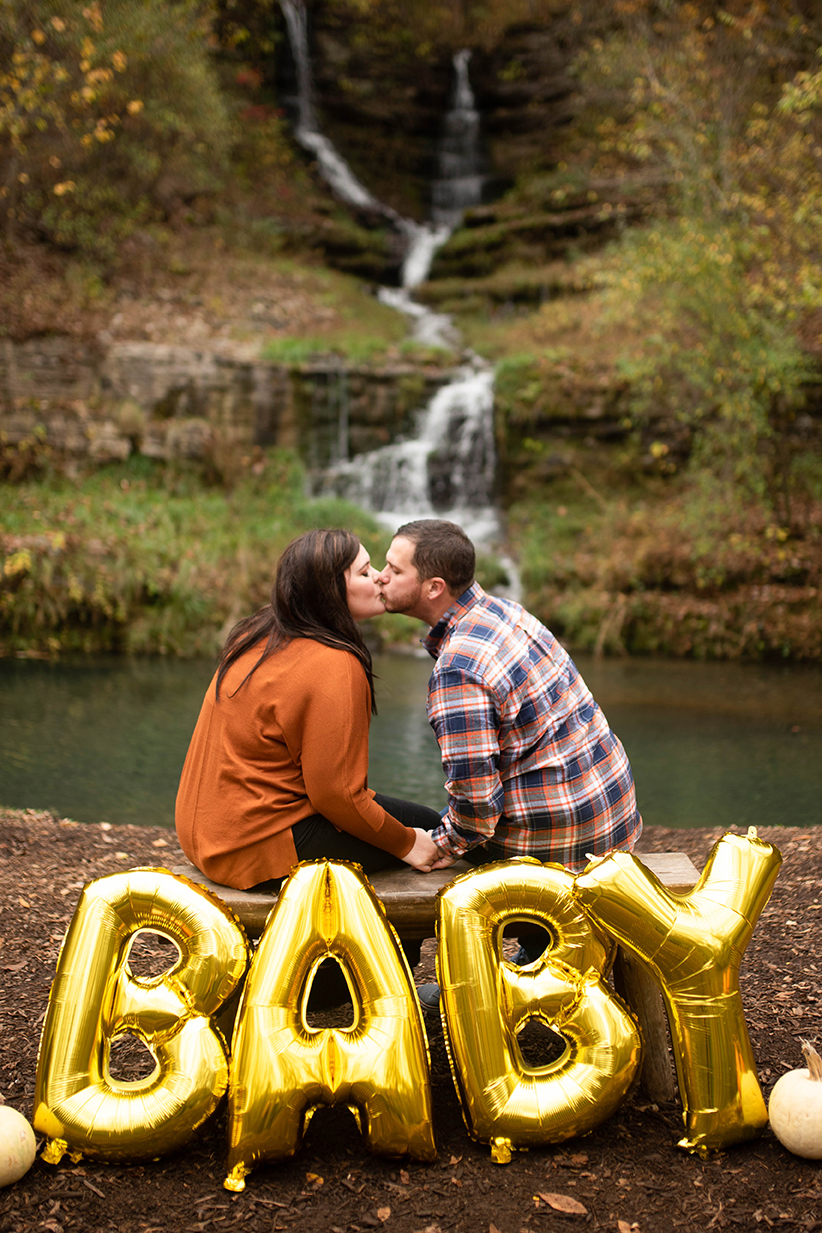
[[405, 1177], [564, 1203], [383, 1213], [159, 843], [314, 1180], [579, 1159], [122, 856], [24, 903]]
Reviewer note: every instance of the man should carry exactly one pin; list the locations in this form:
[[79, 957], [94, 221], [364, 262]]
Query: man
[[532, 768]]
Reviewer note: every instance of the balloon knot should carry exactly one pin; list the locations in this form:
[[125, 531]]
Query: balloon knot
[[54, 1151], [501, 1150], [236, 1178]]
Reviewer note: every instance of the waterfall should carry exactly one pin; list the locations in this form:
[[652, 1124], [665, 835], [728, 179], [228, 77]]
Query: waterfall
[[459, 180], [447, 470], [332, 166]]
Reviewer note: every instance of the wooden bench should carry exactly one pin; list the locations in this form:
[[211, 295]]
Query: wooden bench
[[410, 902]]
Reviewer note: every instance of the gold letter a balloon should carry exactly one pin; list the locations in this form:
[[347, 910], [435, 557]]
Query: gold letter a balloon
[[282, 1069], [693, 945]]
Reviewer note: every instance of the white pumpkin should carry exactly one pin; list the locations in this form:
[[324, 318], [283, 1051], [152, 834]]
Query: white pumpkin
[[17, 1145], [795, 1108]]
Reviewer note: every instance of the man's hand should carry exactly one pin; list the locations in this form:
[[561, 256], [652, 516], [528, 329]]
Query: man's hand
[[424, 853]]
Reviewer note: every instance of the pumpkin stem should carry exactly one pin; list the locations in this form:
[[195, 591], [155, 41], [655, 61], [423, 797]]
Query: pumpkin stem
[[813, 1059]]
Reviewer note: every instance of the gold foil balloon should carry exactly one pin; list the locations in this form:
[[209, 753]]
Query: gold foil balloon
[[282, 1069], [693, 945], [486, 1001], [95, 999]]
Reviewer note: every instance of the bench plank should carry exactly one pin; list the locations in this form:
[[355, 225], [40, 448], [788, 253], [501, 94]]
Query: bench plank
[[410, 898]]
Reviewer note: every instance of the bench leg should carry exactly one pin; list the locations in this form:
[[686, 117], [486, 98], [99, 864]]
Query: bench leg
[[641, 992]]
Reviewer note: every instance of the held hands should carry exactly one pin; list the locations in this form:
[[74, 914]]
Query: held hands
[[444, 862], [424, 855]]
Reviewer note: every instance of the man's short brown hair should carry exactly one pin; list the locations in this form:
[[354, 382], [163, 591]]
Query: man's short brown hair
[[441, 550]]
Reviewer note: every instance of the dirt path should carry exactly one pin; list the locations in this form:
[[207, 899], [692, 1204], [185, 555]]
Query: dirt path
[[628, 1175]]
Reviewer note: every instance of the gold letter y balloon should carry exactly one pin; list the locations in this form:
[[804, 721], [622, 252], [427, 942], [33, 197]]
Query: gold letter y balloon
[[693, 945], [282, 1069]]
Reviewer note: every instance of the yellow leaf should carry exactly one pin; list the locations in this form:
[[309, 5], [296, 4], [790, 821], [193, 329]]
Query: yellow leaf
[[18, 563]]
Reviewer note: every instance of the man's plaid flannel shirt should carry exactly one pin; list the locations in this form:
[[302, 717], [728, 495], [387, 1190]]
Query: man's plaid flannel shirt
[[532, 768]]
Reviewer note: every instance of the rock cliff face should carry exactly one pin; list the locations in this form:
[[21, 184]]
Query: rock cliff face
[[382, 105], [174, 402], [384, 109]]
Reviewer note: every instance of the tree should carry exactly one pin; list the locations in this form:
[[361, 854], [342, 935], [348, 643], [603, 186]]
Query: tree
[[106, 113]]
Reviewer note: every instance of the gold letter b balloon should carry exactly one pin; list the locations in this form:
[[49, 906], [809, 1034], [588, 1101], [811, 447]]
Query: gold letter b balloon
[[95, 998], [486, 1002]]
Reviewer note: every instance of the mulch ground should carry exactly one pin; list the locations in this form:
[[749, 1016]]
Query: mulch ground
[[627, 1176]]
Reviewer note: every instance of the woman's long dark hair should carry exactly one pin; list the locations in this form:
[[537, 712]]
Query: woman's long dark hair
[[308, 600]]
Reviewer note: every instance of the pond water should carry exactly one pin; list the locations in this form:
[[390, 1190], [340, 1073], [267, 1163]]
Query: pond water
[[710, 744]]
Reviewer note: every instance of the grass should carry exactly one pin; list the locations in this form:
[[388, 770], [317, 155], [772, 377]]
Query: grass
[[686, 569], [141, 559]]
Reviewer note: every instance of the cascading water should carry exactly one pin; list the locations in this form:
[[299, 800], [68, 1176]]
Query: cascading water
[[460, 180], [447, 470], [333, 168]]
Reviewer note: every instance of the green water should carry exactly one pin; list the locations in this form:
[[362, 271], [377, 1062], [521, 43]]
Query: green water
[[710, 744]]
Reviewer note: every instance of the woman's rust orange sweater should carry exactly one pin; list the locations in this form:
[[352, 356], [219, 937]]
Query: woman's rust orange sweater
[[289, 742]]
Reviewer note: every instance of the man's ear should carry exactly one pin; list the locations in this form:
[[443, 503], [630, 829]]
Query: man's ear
[[435, 588]]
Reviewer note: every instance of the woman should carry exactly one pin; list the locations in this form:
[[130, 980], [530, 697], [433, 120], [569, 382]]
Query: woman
[[277, 768]]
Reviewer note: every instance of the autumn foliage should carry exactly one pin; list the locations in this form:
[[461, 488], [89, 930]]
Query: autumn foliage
[[106, 111]]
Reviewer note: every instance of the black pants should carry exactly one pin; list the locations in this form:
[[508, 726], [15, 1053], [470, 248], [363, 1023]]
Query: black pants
[[315, 837]]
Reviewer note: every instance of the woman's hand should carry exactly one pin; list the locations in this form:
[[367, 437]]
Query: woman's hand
[[444, 862], [424, 853]]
